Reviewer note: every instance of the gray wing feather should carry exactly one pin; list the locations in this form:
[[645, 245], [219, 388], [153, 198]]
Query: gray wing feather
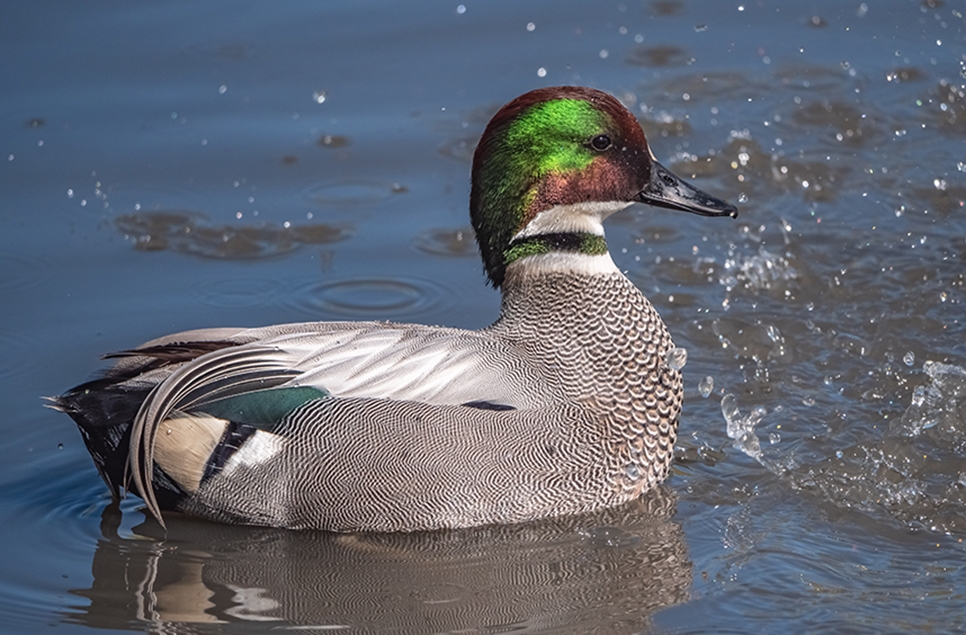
[[399, 363]]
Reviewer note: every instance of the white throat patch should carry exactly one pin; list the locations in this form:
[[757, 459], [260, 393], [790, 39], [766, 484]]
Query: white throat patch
[[579, 218], [563, 262]]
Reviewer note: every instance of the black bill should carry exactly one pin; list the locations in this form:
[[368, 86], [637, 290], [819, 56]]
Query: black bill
[[673, 192]]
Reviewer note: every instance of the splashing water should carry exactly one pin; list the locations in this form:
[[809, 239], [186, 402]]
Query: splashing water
[[742, 429], [940, 403], [758, 272], [915, 473]]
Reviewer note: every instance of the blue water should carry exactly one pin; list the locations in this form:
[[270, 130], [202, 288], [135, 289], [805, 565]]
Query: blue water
[[166, 166]]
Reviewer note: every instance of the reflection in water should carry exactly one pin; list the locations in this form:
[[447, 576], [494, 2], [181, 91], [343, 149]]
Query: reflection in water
[[191, 233], [952, 106], [657, 56], [612, 568]]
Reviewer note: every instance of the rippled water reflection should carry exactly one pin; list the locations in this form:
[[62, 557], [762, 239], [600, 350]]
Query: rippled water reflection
[[608, 570], [191, 233], [316, 158]]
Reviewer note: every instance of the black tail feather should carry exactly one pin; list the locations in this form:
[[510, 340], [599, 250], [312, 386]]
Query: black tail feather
[[104, 409]]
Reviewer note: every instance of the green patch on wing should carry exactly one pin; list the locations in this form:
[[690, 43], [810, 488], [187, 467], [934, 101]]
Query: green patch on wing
[[263, 407]]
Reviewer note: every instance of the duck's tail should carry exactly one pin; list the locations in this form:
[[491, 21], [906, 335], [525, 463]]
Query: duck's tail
[[104, 409]]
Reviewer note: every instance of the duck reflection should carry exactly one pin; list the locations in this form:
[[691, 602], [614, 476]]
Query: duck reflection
[[605, 571]]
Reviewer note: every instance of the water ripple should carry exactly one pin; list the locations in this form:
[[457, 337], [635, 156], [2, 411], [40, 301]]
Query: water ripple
[[23, 272], [233, 293], [371, 298], [20, 356]]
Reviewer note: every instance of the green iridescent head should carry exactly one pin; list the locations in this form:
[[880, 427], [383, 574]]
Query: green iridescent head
[[561, 146]]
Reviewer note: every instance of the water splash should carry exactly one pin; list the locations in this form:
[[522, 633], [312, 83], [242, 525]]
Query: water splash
[[941, 402], [742, 429], [758, 272]]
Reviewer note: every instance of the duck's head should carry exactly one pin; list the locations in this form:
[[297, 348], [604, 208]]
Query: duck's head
[[558, 161]]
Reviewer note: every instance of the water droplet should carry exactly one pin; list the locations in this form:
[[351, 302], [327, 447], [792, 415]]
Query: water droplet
[[742, 198], [757, 414], [838, 454], [774, 437], [919, 396], [541, 72], [318, 96], [729, 408], [701, 28], [705, 386], [531, 26], [222, 89], [461, 9], [808, 401], [676, 358], [60, 446], [909, 358], [773, 333]]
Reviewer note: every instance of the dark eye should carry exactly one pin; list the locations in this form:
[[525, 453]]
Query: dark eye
[[601, 142]]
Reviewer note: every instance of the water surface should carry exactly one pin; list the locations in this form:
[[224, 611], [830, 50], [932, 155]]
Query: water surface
[[169, 166]]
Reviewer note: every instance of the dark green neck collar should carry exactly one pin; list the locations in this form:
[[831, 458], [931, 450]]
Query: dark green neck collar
[[581, 243]]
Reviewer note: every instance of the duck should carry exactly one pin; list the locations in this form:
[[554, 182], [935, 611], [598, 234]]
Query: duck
[[568, 403]]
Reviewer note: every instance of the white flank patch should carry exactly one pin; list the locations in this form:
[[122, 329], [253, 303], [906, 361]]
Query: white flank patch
[[259, 448], [563, 262], [584, 218]]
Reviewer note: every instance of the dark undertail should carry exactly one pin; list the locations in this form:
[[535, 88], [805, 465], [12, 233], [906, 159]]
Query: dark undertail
[[105, 408]]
